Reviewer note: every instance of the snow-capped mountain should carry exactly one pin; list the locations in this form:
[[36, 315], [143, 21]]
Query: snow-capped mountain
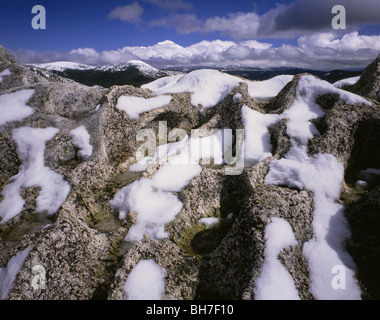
[[61, 66], [133, 72], [140, 65]]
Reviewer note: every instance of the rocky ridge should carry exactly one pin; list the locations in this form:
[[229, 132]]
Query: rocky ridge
[[81, 246]]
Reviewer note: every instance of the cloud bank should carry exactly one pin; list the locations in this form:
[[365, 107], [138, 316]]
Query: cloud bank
[[299, 18], [320, 51]]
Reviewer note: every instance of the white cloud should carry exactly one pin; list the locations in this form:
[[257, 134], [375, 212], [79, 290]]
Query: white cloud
[[183, 23], [322, 51], [172, 4], [129, 13], [300, 17], [236, 25]]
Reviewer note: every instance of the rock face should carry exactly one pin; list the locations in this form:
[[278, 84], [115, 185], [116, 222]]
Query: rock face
[[369, 83], [80, 248]]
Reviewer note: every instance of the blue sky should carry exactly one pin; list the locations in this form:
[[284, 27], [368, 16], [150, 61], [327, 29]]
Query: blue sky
[[106, 26], [72, 24]]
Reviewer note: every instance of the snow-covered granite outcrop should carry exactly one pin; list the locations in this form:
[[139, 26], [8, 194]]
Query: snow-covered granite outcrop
[[83, 202]]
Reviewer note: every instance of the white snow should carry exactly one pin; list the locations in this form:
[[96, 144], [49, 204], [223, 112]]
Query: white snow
[[81, 140], [140, 65], [208, 87], [179, 166], [346, 82], [305, 109], [274, 281], [96, 108], [62, 66], [175, 177], [146, 281], [360, 184], [256, 135], [162, 83], [13, 106], [209, 222], [9, 273], [323, 175], [264, 90], [134, 106], [205, 148], [155, 208], [162, 153], [54, 189], [187, 151], [237, 97], [4, 73], [162, 206]]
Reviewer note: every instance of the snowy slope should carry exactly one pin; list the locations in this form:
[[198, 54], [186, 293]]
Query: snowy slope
[[61, 66], [209, 87], [346, 82], [140, 65]]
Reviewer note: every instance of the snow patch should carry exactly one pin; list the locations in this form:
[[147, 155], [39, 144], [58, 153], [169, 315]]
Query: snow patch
[[256, 136], [162, 154], [208, 87], [4, 73], [346, 82], [267, 89], [13, 106], [237, 97], [61, 66], [81, 140], [181, 165], [209, 222], [9, 273], [305, 109], [154, 209], [274, 281], [323, 175], [134, 106], [54, 189], [146, 281], [175, 177], [162, 83]]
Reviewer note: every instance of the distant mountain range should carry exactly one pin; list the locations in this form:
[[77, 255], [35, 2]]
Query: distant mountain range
[[134, 72], [137, 73]]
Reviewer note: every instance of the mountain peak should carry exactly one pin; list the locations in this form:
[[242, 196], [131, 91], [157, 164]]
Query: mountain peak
[[61, 66], [369, 83]]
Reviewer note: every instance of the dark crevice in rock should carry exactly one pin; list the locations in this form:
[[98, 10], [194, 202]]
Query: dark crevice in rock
[[364, 245], [174, 120], [366, 151], [104, 289], [279, 138], [327, 101], [234, 195]]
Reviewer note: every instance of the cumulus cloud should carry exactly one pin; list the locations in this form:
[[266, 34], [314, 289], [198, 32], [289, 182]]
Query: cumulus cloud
[[320, 51], [236, 25], [298, 18], [172, 4], [183, 23], [311, 15], [129, 13]]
